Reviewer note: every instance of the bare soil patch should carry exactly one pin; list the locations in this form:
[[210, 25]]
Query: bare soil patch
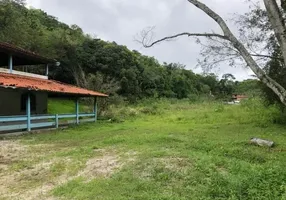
[[33, 183], [175, 164], [107, 164], [42, 175], [10, 151], [101, 167]]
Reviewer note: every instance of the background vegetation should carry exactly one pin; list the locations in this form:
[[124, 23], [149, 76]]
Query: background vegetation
[[106, 66]]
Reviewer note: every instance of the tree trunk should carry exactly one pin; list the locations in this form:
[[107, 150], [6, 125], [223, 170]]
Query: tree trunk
[[278, 23], [272, 84]]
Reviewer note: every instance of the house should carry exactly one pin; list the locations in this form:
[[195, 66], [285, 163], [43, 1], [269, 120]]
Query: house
[[238, 97], [24, 96]]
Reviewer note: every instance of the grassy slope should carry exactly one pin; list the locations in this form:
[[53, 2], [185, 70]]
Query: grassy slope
[[63, 106], [185, 151]]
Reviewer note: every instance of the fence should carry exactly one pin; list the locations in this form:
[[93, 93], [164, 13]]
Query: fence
[[20, 123]]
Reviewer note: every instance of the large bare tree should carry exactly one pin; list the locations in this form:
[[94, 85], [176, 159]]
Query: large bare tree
[[228, 38]]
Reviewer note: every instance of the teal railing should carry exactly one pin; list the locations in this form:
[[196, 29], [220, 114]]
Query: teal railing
[[20, 123]]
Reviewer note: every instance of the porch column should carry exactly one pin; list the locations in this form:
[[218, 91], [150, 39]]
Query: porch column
[[95, 109], [57, 120], [28, 112], [47, 70], [77, 110], [11, 64]]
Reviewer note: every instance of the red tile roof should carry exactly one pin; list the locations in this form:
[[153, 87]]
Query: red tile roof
[[239, 96], [51, 86]]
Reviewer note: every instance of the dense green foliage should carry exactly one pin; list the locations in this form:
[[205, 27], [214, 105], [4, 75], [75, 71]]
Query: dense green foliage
[[250, 87], [276, 70], [101, 65]]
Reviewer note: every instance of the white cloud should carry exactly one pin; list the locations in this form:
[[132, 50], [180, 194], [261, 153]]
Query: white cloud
[[34, 3]]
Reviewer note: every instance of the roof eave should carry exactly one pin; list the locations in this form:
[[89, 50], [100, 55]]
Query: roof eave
[[54, 92]]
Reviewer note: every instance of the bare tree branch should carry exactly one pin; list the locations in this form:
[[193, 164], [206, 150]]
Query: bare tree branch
[[239, 46], [267, 56], [224, 45], [229, 48], [146, 41], [222, 60]]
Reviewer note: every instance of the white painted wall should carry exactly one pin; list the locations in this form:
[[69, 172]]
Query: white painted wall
[[23, 73]]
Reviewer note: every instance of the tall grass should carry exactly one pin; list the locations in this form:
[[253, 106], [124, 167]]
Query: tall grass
[[262, 114], [252, 110]]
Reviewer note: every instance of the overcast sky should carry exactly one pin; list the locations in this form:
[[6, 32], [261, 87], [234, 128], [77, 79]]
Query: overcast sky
[[121, 20]]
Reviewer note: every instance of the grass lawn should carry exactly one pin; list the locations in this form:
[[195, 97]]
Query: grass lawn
[[163, 150], [63, 106]]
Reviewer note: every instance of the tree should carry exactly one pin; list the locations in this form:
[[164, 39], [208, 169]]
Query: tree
[[227, 84], [277, 71], [249, 87], [278, 26], [257, 19]]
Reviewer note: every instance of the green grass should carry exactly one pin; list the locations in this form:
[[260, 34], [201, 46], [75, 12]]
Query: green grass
[[63, 106], [181, 151]]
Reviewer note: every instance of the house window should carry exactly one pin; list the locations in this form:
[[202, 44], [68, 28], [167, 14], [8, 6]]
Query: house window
[[24, 100]]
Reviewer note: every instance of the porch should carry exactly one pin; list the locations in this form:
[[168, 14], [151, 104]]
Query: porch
[[31, 122]]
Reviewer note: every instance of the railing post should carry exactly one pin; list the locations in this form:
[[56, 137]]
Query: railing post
[[57, 121], [11, 64], [28, 112], [47, 70], [77, 110], [95, 109]]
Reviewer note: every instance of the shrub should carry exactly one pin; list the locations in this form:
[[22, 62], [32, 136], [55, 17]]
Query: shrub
[[263, 115], [193, 98], [148, 111], [130, 112]]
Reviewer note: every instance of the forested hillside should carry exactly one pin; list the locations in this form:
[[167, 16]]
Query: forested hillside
[[105, 66]]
